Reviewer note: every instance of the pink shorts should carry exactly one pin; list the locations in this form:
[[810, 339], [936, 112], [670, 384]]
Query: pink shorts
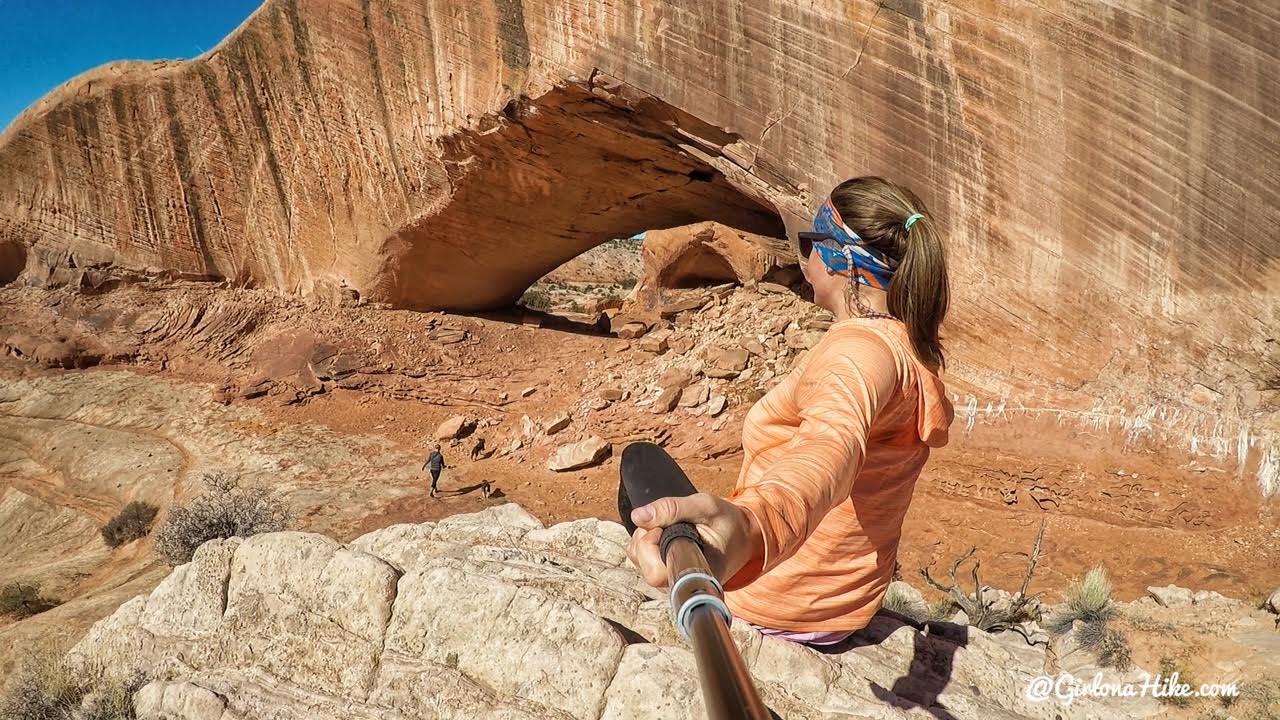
[[819, 638]]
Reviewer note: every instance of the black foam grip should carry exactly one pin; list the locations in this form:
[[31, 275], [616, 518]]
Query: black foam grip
[[647, 474], [679, 530]]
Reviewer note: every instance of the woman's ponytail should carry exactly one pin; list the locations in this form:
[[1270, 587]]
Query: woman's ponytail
[[919, 293]]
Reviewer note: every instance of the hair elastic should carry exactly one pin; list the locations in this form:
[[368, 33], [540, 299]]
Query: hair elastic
[[914, 217]]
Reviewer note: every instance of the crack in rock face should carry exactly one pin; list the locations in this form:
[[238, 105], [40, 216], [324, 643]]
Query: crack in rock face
[[492, 615]]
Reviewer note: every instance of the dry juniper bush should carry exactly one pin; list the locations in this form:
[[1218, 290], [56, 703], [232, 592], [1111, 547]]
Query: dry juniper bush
[[47, 688], [225, 508], [22, 600], [133, 522], [982, 607]]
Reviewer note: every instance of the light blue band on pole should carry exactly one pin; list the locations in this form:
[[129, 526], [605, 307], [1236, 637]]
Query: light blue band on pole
[[914, 217]]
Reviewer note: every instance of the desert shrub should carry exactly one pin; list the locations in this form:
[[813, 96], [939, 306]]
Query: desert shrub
[[224, 508], [133, 522], [1169, 666], [1113, 650], [47, 688], [941, 609], [21, 600], [536, 299], [1088, 600], [904, 603], [1259, 699], [1091, 633]]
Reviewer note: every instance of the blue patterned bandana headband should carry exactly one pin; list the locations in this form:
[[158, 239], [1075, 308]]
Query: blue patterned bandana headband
[[844, 250]]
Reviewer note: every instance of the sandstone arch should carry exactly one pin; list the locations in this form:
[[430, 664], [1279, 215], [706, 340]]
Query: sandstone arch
[[551, 179], [708, 253]]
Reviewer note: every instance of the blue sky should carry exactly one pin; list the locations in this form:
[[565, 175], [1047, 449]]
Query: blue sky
[[43, 43]]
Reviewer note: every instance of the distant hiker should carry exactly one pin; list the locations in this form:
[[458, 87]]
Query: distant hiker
[[435, 462], [806, 543]]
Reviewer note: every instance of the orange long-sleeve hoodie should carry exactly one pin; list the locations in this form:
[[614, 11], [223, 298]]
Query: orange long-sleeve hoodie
[[831, 457]]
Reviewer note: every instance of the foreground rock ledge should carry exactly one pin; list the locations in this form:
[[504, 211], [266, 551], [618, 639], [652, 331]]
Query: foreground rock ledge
[[491, 615]]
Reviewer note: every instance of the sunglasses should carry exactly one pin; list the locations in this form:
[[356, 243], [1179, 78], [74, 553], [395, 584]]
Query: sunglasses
[[809, 239]]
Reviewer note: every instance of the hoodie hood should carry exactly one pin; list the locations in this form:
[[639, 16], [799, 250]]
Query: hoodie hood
[[934, 411]]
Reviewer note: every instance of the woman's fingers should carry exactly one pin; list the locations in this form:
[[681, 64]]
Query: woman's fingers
[[644, 553], [696, 509]]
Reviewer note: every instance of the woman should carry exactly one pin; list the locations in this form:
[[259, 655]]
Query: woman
[[805, 545]]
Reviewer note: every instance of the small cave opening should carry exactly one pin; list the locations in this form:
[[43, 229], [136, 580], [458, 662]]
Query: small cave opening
[[13, 260], [696, 268]]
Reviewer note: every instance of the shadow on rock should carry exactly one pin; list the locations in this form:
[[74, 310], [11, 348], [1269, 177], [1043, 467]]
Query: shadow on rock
[[935, 645]]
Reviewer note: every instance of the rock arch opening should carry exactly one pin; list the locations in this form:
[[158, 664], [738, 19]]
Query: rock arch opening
[[550, 178]]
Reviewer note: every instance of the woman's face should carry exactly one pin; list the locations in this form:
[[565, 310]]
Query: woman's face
[[828, 287]]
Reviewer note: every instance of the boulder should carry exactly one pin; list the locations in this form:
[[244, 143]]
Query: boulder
[[1206, 596], [1170, 595], [694, 395], [716, 405], [675, 307], [798, 339], [719, 373], [818, 322], [681, 343], [631, 330], [656, 341], [55, 354], [732, 359], [752, 346], [666, 400], [581, 454], [676, 378], [557, 423], [455, 427], [613, 394], [1272, 602]]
